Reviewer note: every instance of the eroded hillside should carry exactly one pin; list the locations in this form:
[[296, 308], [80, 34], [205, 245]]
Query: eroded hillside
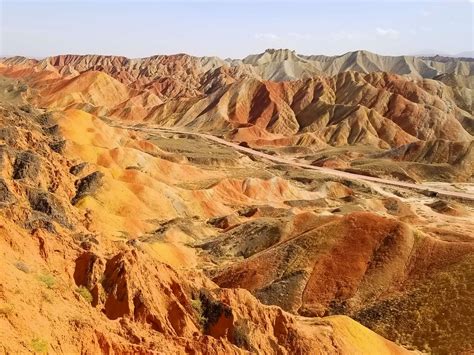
[[125, 229], [420, 121]]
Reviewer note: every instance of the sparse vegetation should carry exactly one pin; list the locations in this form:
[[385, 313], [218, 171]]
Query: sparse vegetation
[[26, 108], [22, 87], [123, 235], [88, 186], [241, 336], [44, 118], [78, 321], [134, 167], [47, 298], [85, 293], [417, 235], [296, 231], [39, 345], [20, 265], [197, 306], [48, 280]]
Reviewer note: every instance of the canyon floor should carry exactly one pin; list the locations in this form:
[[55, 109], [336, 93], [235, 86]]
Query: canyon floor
[[187, 205]]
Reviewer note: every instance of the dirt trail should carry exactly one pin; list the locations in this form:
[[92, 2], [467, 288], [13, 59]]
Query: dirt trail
[[342, 174]]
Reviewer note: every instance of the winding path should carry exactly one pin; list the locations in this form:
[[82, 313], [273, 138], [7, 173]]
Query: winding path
[[327, 171]]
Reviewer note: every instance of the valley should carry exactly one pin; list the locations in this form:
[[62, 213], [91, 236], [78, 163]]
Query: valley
[[279, 203]]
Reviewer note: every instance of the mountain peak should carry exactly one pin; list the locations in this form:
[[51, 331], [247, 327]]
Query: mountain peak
[[279, 51], [271, 55]]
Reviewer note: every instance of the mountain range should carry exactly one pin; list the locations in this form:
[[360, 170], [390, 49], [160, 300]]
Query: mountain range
[[275, 204]]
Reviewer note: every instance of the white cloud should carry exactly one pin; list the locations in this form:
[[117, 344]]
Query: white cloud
[[267, 36], [425, 13], [387, 32]]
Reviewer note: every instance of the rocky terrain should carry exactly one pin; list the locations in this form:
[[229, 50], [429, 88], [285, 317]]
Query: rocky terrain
[[280, 203], [420, 117]]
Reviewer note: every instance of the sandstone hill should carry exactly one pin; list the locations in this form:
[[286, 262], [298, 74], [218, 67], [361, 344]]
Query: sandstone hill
[[346, 106], [123, 229], [273, 64]]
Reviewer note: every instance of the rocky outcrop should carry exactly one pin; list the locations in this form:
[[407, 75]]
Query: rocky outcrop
[[348, 266], [87, 185], [6, 196], [27, 165]]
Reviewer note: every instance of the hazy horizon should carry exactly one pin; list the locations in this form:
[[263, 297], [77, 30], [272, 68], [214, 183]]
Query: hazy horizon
[[467, 54], [234, 29]]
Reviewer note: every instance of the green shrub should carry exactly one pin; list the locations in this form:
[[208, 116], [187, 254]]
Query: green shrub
[[197, 306], [39, 345], [241, 336], [48, 280], [85, 293]]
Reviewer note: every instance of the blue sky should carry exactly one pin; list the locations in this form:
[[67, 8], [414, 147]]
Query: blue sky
[[229, 28]]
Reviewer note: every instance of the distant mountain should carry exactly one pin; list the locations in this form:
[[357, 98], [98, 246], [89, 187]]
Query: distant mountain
[[282, 64], [273, 64], [448, 59], [276, 98], [435, 53], [466, 54]]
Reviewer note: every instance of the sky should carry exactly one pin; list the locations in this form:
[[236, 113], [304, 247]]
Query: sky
[[234, 28]]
